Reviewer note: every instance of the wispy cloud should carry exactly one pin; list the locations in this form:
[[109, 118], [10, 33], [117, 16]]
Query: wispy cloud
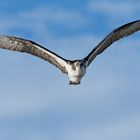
[[43, 20], [98, 108], [126, 128], [115, 9], [55, 14]]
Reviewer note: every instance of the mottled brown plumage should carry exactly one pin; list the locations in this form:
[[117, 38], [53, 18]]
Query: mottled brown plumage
[[76, 69], [23, 45], [115, 35]]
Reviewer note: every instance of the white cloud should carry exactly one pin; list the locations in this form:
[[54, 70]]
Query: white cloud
[[55, 14], [125, 128], [22, 104], [103, 90], [39, 20], [115, 9], [100, 82], [35, 21]]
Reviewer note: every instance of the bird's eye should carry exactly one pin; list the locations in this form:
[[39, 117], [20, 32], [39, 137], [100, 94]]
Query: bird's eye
[[77, 64], [81, 64]]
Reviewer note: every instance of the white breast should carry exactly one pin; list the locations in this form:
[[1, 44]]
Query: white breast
[[77, 74]]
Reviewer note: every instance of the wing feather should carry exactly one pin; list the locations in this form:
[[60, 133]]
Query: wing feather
[[115, 35], [28, 46]]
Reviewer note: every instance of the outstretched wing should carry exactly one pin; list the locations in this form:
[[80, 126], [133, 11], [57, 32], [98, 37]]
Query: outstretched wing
[[23, 45], [115, 35]]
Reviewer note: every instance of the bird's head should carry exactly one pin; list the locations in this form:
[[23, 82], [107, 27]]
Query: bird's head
[[80, 63]]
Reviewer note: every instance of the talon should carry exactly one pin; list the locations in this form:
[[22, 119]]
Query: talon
[[70, 83], [74, 83]]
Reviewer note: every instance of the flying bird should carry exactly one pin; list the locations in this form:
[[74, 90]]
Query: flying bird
[[75, 69]]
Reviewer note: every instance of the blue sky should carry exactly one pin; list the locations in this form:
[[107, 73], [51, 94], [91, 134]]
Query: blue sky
[[36, 102]]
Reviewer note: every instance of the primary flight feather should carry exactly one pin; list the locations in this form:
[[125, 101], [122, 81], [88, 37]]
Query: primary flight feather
[[75, 69]]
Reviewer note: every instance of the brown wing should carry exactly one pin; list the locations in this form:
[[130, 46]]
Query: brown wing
[[23, 45], [115, 35]]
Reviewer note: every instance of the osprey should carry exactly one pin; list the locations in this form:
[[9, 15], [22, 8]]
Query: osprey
[[75, 69]]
